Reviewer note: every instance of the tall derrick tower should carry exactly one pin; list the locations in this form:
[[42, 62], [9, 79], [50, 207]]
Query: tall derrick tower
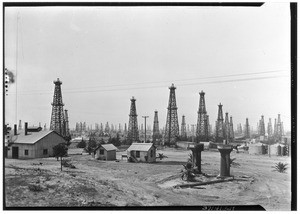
[[208, 127], [275, 128], [67, 130], [183, 129], [226, 128], [262, 131], [279, 128], [57, 116], [219, 125], [247, 129], [231, 133], [202, 125], [270, 128], [172, 127], [133, 130], [155, 135]]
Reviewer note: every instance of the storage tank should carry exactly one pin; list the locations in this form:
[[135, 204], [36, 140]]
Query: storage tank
[[275, 149]]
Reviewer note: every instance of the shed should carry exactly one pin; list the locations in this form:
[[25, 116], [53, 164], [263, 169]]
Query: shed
[[33, 145], [141, 152], [257, 148], [275, 149], [105, 152]]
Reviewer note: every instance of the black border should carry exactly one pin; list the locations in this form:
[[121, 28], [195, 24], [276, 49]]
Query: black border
[[293, 10], [293, 7]]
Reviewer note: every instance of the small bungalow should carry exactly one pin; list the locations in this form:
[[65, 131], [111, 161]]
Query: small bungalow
[[105, 152], [32, 144], [141, 152]]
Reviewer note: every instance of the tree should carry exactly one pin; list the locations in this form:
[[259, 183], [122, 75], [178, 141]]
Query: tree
[[60, 150], [91, 146]]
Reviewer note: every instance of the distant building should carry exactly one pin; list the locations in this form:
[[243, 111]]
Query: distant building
[[106, 152], [141, 152], [29, 145]]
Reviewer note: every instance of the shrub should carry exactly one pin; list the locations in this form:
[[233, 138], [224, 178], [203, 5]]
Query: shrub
[[67, 163], [35, 187], [280, 167], [187, 174]]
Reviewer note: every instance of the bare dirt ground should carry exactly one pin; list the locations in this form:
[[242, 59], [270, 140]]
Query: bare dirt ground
[[109, 183]]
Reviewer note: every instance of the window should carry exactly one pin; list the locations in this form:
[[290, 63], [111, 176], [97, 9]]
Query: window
[[137, 154], [45, 152], [26, 151], [101, 151]]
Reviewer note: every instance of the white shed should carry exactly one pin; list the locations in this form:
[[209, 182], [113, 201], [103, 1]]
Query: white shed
[[141, 152]]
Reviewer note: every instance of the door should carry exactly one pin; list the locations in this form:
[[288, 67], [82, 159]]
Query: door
[[15, 152]]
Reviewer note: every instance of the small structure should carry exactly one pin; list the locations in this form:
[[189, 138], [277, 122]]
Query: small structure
[[275, 149], [105, 152], [225, 150], [257, 148], [29, 145], [141, 152], [196, 150]]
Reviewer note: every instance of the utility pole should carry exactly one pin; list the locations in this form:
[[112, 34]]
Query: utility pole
[[145, 126]]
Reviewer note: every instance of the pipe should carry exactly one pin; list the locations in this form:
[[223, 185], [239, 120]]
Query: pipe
[[203, 183], [26, 125], [15, 129]]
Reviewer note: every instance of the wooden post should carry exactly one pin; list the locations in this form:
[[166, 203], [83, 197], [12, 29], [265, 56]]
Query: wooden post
[[60, 163]]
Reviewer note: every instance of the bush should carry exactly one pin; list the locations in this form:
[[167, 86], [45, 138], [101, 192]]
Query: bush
[[67, 163], [280, 167], [35, 187]]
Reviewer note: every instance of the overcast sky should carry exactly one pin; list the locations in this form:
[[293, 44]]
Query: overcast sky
[[105, 55]]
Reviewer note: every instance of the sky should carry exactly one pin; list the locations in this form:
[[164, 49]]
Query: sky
[[239, 57]]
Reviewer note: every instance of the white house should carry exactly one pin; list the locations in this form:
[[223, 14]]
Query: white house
[[141, 152]]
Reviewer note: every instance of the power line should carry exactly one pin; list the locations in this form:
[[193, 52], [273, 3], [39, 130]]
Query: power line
[[161, 86], [165, 81]]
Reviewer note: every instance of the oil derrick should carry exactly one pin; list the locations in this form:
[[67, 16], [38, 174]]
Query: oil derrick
[[101, 128], [231, 133], [172, 127], [279, 128], [270, 129], [226, 128], [202, 125], [125, 129], [275, 128], [247, 129], [133, 130], [155, 135], [106, 130], [120, 129], [219, 125], [208, 127], [183, 129], [20, 125], [67, 130], [262, 131], [57, 116]]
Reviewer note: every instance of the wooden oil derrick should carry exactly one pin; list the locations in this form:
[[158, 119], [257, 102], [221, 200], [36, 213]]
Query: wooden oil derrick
[[219, 125], [183, 133], [202, 124], [156, 135], [133, 130], [172, 127], [57, 116]]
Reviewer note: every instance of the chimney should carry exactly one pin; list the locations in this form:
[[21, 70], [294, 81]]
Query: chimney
[[26, 125], [15, 129]]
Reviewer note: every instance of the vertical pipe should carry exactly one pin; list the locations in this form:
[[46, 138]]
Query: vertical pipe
[[26, 125], [15, 129]]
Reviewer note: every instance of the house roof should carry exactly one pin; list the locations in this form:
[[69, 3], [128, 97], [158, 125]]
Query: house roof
[[32, 137], [109, 147], [140, 146]]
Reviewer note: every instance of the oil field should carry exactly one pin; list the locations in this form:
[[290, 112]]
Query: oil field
[[180, 108]]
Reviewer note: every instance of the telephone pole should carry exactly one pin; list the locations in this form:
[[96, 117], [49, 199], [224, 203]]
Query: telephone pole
[[145, 127]]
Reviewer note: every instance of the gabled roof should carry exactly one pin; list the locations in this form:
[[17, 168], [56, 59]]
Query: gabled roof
[[109, 147], [140, 147], [33, 137]]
